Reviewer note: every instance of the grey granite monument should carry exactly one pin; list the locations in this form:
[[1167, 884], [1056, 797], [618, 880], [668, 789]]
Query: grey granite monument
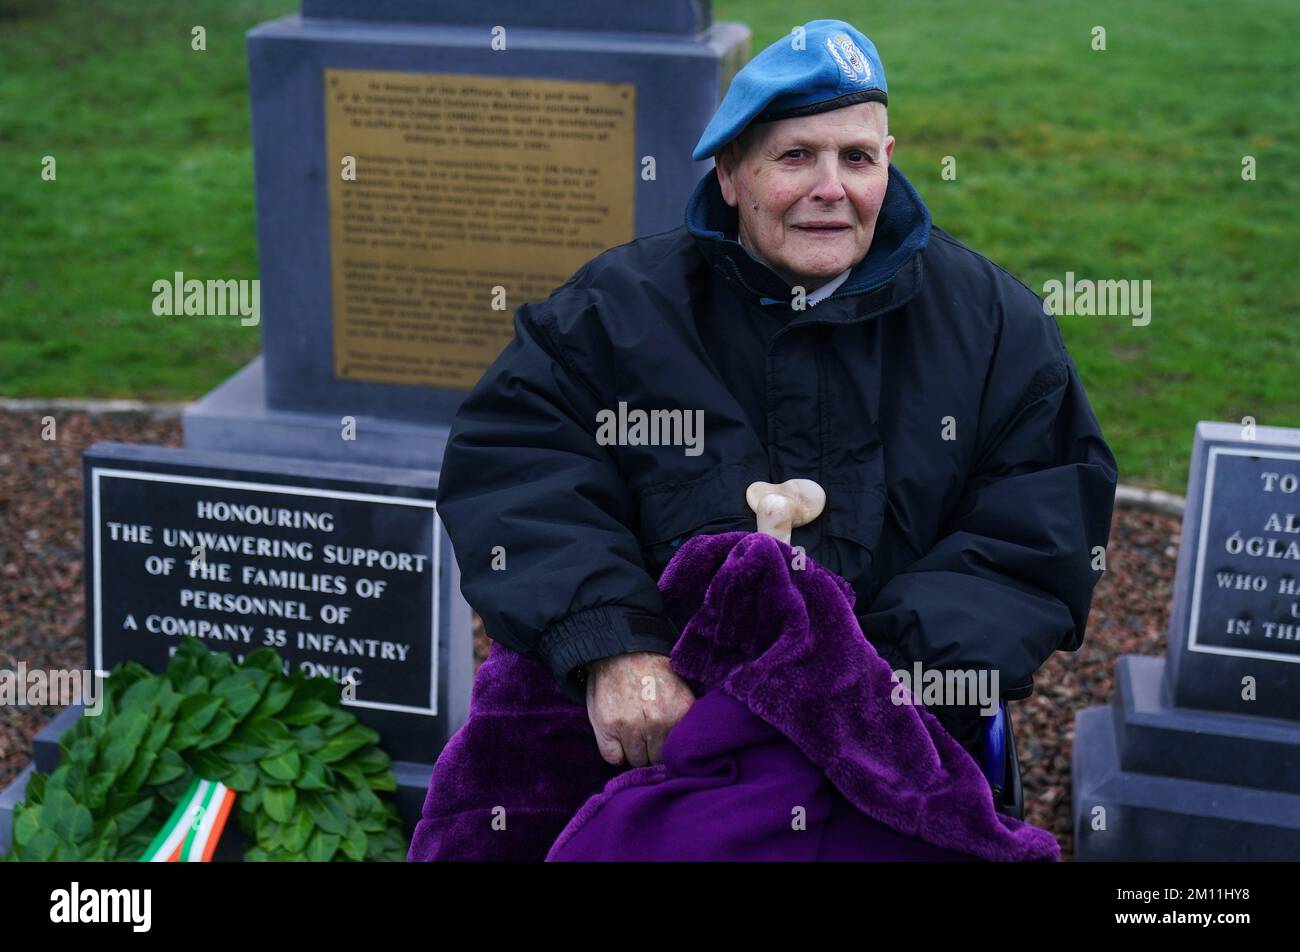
[[1198, 755], [422, 168]]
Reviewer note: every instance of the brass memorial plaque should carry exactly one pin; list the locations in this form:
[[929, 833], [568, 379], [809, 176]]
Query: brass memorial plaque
[[449, 194]]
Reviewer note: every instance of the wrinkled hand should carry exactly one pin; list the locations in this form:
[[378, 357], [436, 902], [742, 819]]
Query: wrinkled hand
[[633, 701]]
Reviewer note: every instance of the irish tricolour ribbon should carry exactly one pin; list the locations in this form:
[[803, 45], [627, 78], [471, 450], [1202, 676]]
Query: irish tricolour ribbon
[[190, 834]]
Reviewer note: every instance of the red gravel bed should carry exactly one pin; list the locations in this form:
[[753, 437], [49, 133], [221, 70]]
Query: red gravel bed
[[42, 598]]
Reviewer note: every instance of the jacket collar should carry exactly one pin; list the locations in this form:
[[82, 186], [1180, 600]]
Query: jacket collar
[[886, 277]]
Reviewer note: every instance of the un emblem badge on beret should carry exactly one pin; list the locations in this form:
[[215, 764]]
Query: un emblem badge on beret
[[852, 63]]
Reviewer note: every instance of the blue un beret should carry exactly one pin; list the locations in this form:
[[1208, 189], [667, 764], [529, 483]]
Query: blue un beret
[[834, 66]]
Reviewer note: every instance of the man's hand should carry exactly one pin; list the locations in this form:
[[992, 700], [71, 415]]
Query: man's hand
[[633, 701]]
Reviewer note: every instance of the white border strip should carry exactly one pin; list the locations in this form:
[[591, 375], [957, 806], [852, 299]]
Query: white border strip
[[289, 490], [158, 411], [1153, 500]]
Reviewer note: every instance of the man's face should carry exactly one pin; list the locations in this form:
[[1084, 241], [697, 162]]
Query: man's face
[[808, 190]]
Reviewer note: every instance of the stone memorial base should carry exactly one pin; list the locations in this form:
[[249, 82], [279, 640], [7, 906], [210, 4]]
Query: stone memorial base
[[1182, 784], [235, 418]]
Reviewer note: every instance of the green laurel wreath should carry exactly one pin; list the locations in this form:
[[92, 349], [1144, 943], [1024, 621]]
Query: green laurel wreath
[[307, 773]]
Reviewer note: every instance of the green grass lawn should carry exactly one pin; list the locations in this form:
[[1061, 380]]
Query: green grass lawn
[[1115, 164], [154, 165]]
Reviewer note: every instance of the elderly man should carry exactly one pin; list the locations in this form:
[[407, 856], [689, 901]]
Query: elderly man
[[820, 327]]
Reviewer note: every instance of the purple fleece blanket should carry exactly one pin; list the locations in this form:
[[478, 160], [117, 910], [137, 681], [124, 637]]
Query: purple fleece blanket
[[793, 749]]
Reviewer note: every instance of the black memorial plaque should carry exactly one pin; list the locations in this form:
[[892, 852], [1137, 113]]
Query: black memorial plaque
[[339, 568], [1246, 597], [1235, 628]]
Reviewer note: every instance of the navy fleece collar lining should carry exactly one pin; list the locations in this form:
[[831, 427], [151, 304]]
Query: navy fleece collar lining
[[902, 230]]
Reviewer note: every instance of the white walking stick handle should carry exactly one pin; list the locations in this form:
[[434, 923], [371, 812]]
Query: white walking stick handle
[[780, 508]]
